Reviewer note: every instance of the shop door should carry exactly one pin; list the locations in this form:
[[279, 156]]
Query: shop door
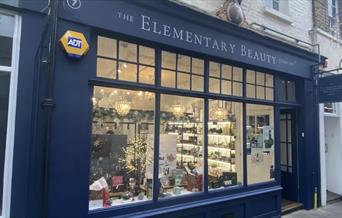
[[288, 146]]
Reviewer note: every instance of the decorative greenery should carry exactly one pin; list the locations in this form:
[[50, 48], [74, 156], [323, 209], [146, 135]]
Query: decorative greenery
[[135, 158]]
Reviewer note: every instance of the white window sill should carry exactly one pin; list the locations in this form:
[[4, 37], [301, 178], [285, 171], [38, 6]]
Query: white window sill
[[278, 15], [326, 114]]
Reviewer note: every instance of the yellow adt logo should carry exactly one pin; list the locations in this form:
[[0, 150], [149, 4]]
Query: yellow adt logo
[[74, 43]]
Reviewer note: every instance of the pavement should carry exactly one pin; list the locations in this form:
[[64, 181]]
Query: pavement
[[329, 211]]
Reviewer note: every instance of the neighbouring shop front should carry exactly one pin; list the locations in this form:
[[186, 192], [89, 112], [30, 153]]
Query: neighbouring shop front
[[170, 113]]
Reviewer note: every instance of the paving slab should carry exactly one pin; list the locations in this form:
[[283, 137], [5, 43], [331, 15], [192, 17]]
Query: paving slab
[[330, 211]]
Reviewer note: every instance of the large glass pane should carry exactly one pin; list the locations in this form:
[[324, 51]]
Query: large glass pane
[[260, 143], [6, 39], [122, 147], [4, 97], [106, 47], [181, 145], [225, 144]]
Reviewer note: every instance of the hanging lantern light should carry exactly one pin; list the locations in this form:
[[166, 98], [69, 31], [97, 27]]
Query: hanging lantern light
[[178, 110], [220, 113], [123, 107]]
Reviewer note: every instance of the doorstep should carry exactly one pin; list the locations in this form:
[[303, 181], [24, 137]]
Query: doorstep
[[288, 206]]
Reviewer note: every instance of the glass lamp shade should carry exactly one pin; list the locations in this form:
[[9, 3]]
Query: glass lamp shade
[[122, 107], [178, 110], [219, 113]]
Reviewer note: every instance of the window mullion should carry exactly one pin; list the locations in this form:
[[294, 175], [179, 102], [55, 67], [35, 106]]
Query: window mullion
[[156, 149]]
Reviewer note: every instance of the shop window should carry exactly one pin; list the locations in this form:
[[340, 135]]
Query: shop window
[[8, 32], [224, 144], [181, 164], [6, 39], [287, 91], [281, 6], [225, 79], [4, 99], [259, 85], [260, 143], [122, 147], [182, 72], [125, 61]]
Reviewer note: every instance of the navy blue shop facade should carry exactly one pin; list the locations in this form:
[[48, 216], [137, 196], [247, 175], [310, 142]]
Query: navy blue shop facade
[[171, 113]]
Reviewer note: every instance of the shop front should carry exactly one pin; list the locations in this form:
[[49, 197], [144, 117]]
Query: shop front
[[173, 113]]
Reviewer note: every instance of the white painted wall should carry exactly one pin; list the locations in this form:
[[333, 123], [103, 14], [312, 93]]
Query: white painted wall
[[295, 21], [333, 154]]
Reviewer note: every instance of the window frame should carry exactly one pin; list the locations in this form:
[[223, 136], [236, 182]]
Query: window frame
[[158, 89], [13, 70]]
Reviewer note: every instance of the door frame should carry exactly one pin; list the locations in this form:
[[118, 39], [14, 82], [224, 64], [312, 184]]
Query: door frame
[[295, 152], [12, 104]]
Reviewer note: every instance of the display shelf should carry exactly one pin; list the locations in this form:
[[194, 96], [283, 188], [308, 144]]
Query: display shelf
[[221, 135], [219, 161], [218, 148]]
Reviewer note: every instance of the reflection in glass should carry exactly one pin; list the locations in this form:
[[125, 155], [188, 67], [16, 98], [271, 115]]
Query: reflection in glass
[[197, 66], [183, 81], [127, 51], [146, 55], [106, 47], [4, 98], [183, 63], [168, 60], [127, 72], [146, 74], [197, 83], [291, 91], [181, 145], [106, 68], [168, 78], [260, 143], [126, 69], [214, 69], [224, 144], [122, 147]]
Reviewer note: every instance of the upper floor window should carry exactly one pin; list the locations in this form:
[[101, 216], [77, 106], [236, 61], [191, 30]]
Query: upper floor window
[[332, 15], [278, 5]]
